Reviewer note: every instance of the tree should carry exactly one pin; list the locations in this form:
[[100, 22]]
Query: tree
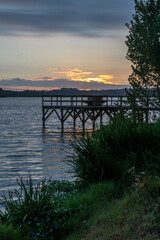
[[143, 44]]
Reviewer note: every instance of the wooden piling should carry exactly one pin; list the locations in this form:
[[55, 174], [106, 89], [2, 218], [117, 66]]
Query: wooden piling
[[74, 120], [62, 121]]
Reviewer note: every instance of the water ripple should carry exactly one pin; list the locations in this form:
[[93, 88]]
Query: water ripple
[[25, 148]]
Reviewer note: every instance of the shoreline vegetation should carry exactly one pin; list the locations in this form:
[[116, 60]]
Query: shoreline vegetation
[[62, 91], [116, 195]]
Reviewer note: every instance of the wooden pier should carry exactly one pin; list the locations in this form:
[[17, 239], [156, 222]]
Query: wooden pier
[[84, 108]]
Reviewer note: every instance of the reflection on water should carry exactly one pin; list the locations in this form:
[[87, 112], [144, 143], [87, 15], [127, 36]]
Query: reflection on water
[[42, 157], [25, 148], [56, 148]]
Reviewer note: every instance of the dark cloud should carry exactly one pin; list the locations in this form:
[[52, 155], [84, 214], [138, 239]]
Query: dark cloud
[[45, 17], [57, 83]]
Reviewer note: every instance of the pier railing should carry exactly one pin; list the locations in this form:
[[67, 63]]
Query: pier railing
[[92, 101], [83, 101]]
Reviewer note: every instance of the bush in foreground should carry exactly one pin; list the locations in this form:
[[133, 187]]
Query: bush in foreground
[[100, 210], [109, 153], [34, 216], [39, 211]]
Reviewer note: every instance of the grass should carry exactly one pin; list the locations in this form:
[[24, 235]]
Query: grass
[[135, 215], [91, 200], [102, 211], [10, 233]]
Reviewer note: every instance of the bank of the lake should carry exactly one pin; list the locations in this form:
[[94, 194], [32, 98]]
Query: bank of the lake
[[103, 211], [116, 195], [106, 215]]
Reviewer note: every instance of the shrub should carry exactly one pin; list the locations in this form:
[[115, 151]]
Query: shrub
[[110, 152], [39, 211], [9, 233]]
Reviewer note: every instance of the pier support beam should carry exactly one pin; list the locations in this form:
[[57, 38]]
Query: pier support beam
[[93, 121], [101, 115], [83, 121], [43, 117], [74, 120], [62, 121]]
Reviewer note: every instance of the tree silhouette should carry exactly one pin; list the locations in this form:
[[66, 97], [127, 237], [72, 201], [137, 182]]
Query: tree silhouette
[[143, 44]]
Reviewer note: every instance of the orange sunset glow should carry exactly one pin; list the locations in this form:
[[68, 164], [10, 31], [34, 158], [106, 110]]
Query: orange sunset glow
[[80, 75]]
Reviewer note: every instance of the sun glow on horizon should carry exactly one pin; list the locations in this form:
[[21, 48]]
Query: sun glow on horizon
[[76, 74], [63, 78], [86, 90]]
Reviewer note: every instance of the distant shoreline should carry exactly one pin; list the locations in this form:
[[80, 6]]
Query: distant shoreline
[[62, 91]]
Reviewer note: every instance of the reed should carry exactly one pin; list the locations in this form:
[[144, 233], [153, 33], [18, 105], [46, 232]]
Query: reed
[[39, 211], [110, 152]]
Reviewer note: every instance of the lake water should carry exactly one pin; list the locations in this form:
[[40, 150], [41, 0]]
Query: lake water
[[25, 148]]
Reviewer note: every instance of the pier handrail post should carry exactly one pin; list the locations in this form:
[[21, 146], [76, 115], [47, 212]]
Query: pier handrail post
[[61, 101], [71, 101], [107, 101], [76, 101], [56, 100]]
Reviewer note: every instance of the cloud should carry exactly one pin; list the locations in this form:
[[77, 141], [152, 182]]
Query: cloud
[[63, 77], [70, 73], [50, 17], [80, 75], [18, 83]]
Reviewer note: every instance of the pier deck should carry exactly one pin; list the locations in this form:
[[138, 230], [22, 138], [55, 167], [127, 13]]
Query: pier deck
[[85, 107]]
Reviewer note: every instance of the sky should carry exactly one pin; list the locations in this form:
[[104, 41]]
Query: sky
[[53, 44]]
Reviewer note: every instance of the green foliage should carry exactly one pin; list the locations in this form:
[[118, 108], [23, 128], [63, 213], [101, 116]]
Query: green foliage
[[133, 215], [90, 200], [39, 211], [9, 233], [143, 44], [109, 153]]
